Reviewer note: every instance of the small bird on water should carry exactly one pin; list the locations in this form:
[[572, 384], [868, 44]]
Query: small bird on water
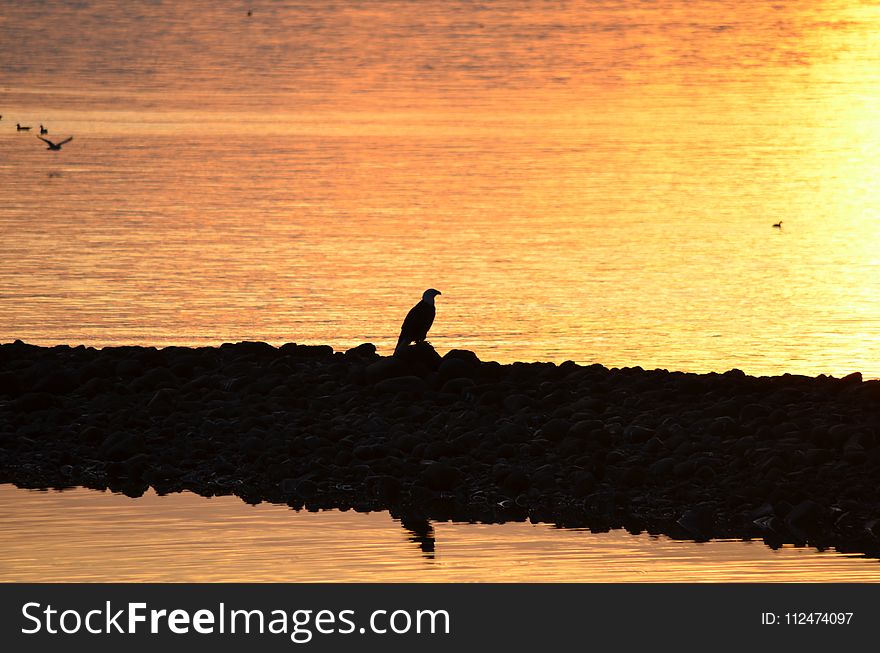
[[55, 146], [18, 127], [778, 225], [418, 321], [43, 130]]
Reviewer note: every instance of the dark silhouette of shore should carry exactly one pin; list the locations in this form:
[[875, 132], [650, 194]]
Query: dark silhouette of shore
[[697, 456]]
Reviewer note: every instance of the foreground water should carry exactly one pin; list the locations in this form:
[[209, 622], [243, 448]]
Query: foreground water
[[594, 181], [83, 535]]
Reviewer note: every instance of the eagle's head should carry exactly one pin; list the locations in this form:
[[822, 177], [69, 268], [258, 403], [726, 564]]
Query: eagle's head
[[429, 295]]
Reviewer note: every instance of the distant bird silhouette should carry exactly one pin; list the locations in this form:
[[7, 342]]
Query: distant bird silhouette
[[418, 321], [778, 225], [18, 127], [43, 130], [250, 13], [55, 146]]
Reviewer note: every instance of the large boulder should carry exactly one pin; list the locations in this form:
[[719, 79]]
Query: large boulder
[[421, 358]]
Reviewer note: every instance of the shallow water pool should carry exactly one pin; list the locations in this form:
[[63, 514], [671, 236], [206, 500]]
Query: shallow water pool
[[84, 535]]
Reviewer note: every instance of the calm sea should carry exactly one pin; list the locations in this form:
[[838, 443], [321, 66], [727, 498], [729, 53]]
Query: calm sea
[[594, 181]]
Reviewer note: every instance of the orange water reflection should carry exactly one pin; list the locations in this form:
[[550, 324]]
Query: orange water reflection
[[82, 535], [588, 181]]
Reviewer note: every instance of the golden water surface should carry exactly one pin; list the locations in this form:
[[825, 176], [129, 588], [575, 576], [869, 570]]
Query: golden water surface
[[592, 181], [87, 536]]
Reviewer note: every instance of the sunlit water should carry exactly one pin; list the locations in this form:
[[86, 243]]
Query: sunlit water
[[83, 535], [592, 181]]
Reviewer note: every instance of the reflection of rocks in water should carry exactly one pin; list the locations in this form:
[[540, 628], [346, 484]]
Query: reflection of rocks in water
[[421, 532]]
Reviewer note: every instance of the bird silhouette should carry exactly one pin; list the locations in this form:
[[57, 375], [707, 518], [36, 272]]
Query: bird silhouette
[[778, 225], [43, 130], [55, 146], [18, 127], [418, 321]]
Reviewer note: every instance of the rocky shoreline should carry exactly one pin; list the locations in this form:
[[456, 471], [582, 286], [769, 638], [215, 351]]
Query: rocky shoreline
[[786, 459]]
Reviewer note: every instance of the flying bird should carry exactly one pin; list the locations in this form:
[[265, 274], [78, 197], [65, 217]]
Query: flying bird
[[55, 146], [418, 321], [43, 130], [18, 127]]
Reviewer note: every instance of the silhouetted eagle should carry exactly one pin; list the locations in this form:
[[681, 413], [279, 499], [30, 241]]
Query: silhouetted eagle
[[418, 321]]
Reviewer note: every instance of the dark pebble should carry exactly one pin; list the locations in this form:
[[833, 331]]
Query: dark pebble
[[453, 368], [438, 476], [805, 516], [366, 350], [119, 446], [556, 429], [515, 482], [513, 433], [401, 384], [33, 402], [663, 468], [385, 488], [457, 386], [306, 489]]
